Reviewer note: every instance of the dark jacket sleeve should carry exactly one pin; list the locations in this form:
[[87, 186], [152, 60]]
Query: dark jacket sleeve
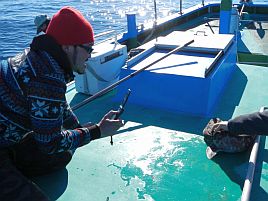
[[70, 121], [46, 102], [251, 124]]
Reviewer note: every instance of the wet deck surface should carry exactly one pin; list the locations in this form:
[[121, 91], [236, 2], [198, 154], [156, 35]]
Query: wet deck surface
[[160, 155]]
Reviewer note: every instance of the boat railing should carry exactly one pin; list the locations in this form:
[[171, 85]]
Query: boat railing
[[241, 11], [202, 3], [259, 21], [254, 63], [107, 39], [141, 26], [251, 168]]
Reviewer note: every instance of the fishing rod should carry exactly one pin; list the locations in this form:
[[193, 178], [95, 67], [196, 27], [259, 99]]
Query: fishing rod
[[109, 88]]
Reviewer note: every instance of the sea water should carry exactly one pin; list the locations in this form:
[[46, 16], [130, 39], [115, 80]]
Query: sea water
[[17, 17]]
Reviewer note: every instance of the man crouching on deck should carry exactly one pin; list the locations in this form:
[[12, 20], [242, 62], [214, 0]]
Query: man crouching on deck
[[38, 130]]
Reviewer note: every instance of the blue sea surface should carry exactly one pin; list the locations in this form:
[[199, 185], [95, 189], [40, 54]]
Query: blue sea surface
[[17, 17]]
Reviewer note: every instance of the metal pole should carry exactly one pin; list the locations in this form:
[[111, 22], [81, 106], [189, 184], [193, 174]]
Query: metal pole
[[155, 19], [155, 13], [241, 11], [251, 168], [181, 7]]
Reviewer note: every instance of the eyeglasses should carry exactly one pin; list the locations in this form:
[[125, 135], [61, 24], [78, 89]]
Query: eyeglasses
[[89, 49]]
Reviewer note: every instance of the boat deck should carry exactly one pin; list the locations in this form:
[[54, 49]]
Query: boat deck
[[159, 155], [254, 43]]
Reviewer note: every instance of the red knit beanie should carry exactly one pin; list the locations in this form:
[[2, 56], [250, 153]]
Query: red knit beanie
[[69, 27]]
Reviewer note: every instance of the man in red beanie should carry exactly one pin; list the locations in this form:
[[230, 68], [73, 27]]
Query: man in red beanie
[[38, 130]]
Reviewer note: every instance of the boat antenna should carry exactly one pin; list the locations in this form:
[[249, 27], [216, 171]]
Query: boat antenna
[[155, 18], [155, 12]]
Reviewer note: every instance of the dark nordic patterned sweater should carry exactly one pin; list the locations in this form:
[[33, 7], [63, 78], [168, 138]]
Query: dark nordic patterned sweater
[[32, 99]]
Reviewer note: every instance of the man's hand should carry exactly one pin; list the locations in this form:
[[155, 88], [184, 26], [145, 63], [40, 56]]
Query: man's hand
[[88, 124], [108, 126], [222, 126]]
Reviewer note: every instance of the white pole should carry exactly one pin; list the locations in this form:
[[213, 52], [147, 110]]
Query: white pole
[[251, 169]]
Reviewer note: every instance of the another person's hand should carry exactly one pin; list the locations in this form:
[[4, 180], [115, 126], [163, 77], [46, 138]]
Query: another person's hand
[[108, 126], [221, 126]]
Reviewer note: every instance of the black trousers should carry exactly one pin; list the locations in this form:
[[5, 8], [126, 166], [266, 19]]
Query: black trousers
[[23, 161]]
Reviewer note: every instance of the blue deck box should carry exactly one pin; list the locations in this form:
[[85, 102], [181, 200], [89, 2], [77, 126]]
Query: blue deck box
[[189, 81]]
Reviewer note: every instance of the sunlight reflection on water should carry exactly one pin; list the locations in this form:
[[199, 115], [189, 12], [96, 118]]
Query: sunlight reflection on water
[[17, 27]]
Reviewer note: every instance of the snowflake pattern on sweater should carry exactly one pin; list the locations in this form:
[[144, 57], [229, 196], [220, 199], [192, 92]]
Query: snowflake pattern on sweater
[[32, 99]]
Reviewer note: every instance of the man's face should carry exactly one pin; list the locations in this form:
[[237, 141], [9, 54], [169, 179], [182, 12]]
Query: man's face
[[78, 55]]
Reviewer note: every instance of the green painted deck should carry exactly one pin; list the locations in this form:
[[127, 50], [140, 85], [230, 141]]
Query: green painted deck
[[161, 156], [253, 43], [255, 39]]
